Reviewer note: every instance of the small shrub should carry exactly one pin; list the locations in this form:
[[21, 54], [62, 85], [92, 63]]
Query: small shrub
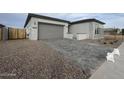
[[112, 43], [115, 41], [104, 43]]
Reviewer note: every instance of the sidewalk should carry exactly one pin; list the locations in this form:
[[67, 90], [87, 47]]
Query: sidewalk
[[111, 70]]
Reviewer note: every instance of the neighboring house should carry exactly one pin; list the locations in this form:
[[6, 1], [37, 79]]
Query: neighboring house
[[1, 25], [43, 27], [1, 28], [3, 32], [111, 31]]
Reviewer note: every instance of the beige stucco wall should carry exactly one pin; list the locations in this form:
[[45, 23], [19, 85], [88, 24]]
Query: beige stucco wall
[[87, 28], [79, 28], [82, 28]]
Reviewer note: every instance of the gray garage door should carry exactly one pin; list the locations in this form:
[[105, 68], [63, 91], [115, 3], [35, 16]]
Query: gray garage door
[[50, 31]]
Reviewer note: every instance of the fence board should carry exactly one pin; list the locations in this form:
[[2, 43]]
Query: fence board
[[21, 33], [15, 33], [5, 33]]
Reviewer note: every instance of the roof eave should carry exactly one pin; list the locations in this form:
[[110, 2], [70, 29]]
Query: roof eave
[[30, 15], [88, 20]]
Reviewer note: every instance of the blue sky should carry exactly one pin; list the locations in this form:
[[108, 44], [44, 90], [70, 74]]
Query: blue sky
[[111, 19]]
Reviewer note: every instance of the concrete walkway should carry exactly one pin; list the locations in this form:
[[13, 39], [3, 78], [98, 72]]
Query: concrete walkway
[[111, 70]]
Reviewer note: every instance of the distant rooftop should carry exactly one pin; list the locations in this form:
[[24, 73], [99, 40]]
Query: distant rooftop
[[1, 25]]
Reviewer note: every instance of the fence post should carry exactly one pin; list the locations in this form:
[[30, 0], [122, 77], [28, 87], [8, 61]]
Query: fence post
[[0, 33], [17, 34], [8, 32], [122, 34], [25, 33]]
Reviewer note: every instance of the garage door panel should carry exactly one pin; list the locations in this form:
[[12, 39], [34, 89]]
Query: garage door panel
[[50, 31]]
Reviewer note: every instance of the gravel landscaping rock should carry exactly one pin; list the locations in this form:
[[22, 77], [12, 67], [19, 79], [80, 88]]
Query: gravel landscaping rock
[[61, 59], [35, 60], [89, 55]]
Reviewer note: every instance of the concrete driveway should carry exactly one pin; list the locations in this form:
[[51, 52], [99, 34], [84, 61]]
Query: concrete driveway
[[111, 70]]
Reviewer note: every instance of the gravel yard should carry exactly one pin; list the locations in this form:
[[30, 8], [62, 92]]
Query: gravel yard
[[35, 59], [89, 55], [50, 59]]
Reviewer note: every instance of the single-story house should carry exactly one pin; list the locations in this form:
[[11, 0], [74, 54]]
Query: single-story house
[[44, 27]]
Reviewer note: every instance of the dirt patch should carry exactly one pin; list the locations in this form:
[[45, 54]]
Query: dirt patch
[[112, 40], [111, 43]]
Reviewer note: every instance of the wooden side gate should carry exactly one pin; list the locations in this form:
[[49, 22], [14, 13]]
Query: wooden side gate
[[15, 33]]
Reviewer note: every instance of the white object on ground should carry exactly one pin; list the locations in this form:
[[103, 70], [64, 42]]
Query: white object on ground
[[116, 51], [110, 57]]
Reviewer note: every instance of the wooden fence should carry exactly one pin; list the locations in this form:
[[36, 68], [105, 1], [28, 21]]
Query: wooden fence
[[12, 33], [15, 33], [0, 34]]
